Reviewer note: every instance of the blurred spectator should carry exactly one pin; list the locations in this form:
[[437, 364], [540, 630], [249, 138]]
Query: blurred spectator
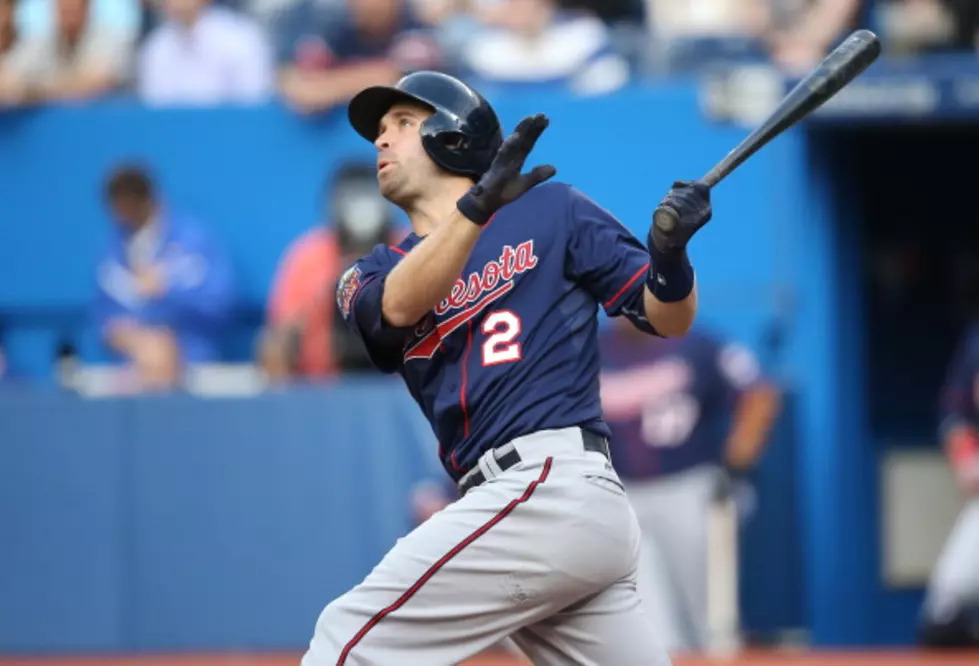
[[205, 54], [37, 17], [802, 32], [8, 30], [911, 26], [164, 285], [304, 338], [326, 57], [79, 59], [687, 35], [796, 34], [610, 11], [536, 42]]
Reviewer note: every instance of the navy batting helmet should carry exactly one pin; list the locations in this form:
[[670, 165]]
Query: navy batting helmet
[[463, 134]]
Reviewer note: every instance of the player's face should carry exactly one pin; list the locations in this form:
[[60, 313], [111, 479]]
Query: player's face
[[404, 170]]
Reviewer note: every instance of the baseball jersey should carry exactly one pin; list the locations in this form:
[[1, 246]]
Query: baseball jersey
[[960, 395], [513, 349], [669, 402]]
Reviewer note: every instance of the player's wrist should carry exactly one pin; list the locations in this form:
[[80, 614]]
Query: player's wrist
[[671, 276], [473, 209]]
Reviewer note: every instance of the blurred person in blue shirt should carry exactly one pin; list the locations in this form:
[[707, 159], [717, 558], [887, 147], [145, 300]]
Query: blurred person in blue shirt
[[164, 286], [327, 54]]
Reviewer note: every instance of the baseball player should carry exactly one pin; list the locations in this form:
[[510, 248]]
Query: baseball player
[[950, 617], [488, 311], [689, 417]]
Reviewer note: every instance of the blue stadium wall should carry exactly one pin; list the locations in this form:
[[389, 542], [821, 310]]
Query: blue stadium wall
[[171, 523]]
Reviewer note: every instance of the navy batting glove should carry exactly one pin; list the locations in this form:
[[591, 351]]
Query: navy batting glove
[[690, 203], [504, 182], [671, 277]]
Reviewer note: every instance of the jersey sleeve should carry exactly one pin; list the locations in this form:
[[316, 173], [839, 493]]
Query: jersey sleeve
[[608, 260], [359, 293]]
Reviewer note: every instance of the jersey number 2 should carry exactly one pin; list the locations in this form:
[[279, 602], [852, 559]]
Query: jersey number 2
[[502, 327]]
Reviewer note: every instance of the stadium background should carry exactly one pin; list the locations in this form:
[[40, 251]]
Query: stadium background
[[221, 525]]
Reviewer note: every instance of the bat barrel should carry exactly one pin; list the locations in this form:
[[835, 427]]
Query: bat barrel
[[842, 65]]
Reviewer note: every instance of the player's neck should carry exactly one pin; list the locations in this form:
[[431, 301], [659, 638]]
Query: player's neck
[[426, 214]]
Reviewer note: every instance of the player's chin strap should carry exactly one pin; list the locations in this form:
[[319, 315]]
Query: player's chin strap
[[507, 456]]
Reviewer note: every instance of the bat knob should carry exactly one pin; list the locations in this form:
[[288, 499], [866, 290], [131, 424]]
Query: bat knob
[[665, 219]]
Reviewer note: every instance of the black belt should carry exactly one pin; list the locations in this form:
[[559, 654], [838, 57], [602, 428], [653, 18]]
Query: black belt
[[592, 442]]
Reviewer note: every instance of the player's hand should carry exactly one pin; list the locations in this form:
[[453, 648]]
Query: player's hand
[[689, 203], [505, 181]]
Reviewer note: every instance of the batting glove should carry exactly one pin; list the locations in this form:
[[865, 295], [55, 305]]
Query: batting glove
[[504, 182], [690, 203]]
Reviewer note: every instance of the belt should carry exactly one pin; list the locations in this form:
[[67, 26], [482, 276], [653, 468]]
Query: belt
[[507, 456]]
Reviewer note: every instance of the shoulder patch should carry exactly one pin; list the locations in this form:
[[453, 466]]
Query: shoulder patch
[[347, 288]]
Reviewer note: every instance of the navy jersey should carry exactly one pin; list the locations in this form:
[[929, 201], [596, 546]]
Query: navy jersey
[[513, 349], [669, 402], [960, 395]]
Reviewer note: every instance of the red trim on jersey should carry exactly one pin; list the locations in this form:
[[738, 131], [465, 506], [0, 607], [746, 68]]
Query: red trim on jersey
[[413, 590], [398, 250], [628, 284]]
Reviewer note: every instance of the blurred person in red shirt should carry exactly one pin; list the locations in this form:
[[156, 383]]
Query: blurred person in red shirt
[[326, 56], [303, 338]]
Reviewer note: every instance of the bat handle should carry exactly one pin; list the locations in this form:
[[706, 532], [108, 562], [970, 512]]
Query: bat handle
[[666, 220]]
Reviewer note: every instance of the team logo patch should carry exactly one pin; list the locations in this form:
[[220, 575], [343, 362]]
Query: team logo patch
[[347, 289]]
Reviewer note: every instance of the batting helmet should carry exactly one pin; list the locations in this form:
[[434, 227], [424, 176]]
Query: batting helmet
[[463, 134]]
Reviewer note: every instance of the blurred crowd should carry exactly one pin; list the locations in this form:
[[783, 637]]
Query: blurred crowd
[[314, 54], [165, 284], [165, 297]]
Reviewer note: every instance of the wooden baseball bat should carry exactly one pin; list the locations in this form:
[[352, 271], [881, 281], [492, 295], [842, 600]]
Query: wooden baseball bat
[[838, 69]]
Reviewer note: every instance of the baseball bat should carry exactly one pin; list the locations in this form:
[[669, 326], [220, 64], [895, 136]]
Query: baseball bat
[[839, 68], [723, 608]]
